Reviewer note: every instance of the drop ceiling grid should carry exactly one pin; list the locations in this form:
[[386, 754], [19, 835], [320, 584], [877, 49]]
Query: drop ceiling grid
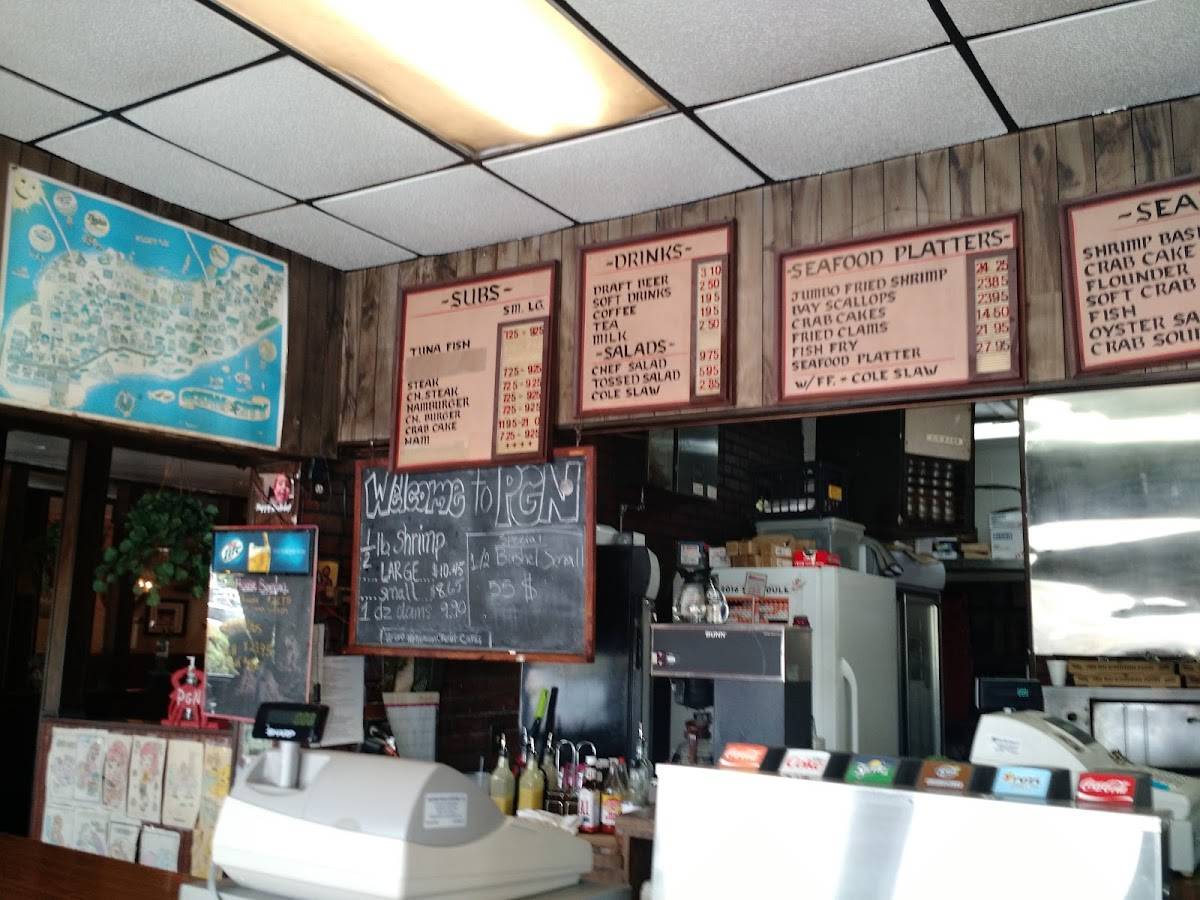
[[327, 239], [28, 110]]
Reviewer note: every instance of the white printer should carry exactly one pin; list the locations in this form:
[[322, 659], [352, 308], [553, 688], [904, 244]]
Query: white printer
[[332, 825], [1029, 737]]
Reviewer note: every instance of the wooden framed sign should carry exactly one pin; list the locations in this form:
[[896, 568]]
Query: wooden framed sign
[[655, 322], [916, 312], [1130, 267], [470, 383]]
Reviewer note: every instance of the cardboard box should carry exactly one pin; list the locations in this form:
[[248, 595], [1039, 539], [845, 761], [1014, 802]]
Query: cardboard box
[[718, 557], [1008, 536]]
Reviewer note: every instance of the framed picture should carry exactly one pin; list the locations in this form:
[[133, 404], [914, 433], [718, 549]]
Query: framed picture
[[168, 619]]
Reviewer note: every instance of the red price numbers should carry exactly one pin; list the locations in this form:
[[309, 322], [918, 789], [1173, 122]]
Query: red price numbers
[[710, 385], [710, 354]]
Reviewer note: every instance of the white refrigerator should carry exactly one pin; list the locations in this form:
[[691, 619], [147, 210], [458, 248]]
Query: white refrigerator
[[855, 646]]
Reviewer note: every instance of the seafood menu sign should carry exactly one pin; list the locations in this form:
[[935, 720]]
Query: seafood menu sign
[[113, 314], [1132, 261], [655, 329], [923, 310]]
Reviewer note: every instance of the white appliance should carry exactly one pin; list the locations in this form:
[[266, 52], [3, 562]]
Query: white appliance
[[1028, 737], [855, 646], [361, 827]]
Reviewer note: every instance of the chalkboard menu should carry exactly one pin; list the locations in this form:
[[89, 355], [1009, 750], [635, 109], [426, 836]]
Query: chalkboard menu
[[471, 371], [476, 563], [919, 311], [655, 329], [1131, 262], [261, 593]]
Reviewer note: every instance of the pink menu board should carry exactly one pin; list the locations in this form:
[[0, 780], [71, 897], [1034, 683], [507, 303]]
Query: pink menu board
[[1131, 262], [471, 371], [655, 328], [915, 312]]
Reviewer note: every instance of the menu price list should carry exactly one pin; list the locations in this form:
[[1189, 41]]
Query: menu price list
[[654, 324], [1133, 262], [472, 362], [921, 309]]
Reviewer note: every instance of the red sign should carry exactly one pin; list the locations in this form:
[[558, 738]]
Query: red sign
[[743, 756], [471, 370], [655, 324], [1107, 787], [936, 308], [804, 763], [1130, 267]]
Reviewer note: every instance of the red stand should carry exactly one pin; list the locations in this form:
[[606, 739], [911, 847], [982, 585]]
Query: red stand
[[188, 696]]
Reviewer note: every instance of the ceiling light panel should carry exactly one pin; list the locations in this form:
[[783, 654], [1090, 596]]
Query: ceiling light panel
[[628, 170], [708, 50], [1095, 62], [888, 109], [290, 127], [314, 234], [481, 75], [28, 111], [981, 16], [446, 211], [140, 160], [110, 53]]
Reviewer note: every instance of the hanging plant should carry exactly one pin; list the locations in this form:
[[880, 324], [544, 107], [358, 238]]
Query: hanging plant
[[167, 540]]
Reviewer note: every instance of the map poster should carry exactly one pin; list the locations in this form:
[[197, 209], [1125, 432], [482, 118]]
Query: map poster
[[917, 311], [471, 383], [1131, 264], [110, 313], [654, 322]]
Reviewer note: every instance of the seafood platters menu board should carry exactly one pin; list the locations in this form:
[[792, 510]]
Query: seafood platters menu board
[[471, 371], [655, 323], [913, 312], [1131, 263]]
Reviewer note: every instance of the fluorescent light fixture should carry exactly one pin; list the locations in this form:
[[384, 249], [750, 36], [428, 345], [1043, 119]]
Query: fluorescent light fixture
[[1050, 420], [992, 431], [1082, 534], [483, 74]]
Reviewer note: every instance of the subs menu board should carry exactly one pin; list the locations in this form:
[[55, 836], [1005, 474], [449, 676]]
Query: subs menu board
[[1132, 261], [655, 330], [476, 563], [471, 371], [922, 310], [261, 593]]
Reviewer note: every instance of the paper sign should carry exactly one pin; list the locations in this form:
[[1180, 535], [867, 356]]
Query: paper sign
[[471, 371], [218, 762], [89, 756], [61, 765], [159, 849], [58, 825], [146, 778], [926, 309], [123, 841], [654, 323], [91, 832], [115, 790], [343, 691], [1132, 263], [181, 783]]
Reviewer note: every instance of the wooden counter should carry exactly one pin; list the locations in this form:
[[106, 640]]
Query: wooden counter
[[31, 870]]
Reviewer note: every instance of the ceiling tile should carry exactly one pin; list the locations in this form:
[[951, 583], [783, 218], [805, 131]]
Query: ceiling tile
[[1096, 61], [113, 52], [27, 110], [649, 165], [981, 16], [142, 161], [446, 211], [312, 233], [708, 50], [286, 125], [918, 102]]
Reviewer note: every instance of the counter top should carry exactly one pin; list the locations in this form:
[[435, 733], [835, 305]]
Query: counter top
[[638, 824], [31, 870]]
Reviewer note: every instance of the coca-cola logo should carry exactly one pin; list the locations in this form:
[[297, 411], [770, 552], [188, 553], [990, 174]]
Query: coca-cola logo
[[1108, 787], [743, 755]]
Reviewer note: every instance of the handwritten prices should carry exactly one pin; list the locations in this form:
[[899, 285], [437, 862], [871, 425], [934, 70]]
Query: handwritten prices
[[654, 324], [919, 310], [470, 386], [1134, 260]]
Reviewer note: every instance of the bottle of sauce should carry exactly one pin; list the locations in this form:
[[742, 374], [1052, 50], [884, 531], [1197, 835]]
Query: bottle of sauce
[[531, 789], [611, 796], [548, 764], [589, 798], [502, 783]]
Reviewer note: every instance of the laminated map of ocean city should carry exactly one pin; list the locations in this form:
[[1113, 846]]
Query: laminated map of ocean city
[[110, 313]]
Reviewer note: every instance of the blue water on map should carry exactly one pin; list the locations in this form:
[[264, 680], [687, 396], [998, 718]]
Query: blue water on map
[[164, 254]]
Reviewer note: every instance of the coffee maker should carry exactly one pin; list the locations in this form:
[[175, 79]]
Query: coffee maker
[[696, 596]]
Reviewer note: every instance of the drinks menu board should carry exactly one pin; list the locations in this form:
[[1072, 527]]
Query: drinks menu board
[[927, 309], [1131, 261], [471, 371], [655, 329]]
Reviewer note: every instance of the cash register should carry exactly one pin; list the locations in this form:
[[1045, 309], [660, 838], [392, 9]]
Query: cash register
[[333, 825]]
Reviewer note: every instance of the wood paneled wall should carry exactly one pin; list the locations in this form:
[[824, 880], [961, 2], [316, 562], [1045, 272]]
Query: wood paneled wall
[[1028, 172], [310, 425]]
